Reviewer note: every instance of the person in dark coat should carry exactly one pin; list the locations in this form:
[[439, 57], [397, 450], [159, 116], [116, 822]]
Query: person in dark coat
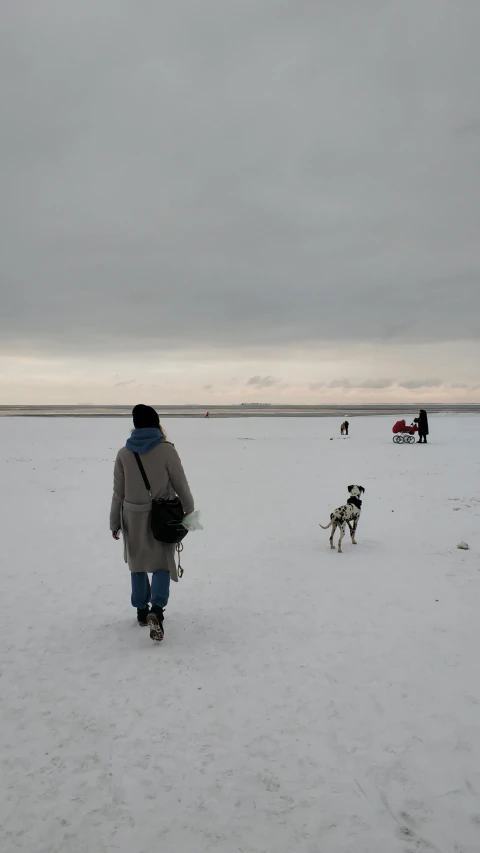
[[422, 422]]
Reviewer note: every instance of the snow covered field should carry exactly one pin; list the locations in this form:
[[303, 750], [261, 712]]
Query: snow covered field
[[302, 700]]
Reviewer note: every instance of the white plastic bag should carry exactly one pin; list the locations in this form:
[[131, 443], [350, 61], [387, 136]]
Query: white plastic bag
[[192, 521]]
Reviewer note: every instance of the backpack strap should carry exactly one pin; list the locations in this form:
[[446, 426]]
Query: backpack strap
[[144, 476], [179, 549]]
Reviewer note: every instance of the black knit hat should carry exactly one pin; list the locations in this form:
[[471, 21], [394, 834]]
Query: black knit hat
[[145, 417]]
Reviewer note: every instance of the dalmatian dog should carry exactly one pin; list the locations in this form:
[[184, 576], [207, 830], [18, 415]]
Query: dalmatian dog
[[347, 514]]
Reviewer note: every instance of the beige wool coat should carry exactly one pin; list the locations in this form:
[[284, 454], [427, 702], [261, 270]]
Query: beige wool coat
[[131, 505]]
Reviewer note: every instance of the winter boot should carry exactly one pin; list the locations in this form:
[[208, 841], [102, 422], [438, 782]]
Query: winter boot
[[155, 623], [142, 616]]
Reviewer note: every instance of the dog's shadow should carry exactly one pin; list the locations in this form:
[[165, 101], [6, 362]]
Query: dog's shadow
[[367, 546], [363, 546]]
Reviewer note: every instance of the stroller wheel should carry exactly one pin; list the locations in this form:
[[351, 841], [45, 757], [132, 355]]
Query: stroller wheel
[[410, 439], [396, 439]]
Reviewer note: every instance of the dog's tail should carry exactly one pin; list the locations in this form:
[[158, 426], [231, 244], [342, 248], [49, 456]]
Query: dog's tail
[[325, 528]]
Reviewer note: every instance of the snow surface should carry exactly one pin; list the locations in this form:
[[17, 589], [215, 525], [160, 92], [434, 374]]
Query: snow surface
[[302, 700]]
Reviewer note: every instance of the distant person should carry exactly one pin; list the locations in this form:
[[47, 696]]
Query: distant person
[[207, 415], [346, 425], [422, 422], [131, 510]]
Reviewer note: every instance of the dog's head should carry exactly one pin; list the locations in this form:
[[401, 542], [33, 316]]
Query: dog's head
[[356, 491]]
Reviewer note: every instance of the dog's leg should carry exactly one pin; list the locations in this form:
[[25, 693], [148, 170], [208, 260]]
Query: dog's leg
[[342, 534], [354, 525], [334, 527], [353, 530]]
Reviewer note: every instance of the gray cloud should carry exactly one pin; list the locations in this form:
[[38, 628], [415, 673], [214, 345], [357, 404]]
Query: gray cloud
[[340, 383], [125, 382], [260, 173], [377, 383], [368, 383], [469, 128], [381, 384], [262, 381], [413, 384]]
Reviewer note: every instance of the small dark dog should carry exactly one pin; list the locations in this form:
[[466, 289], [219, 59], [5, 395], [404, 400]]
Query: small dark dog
[[347, 514]]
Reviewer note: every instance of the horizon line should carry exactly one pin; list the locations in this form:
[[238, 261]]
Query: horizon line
[[212, 406]]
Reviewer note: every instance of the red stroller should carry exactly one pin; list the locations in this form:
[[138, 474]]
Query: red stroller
[[404, 434]]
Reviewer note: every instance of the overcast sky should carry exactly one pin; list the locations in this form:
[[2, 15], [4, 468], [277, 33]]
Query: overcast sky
[[239, 200]]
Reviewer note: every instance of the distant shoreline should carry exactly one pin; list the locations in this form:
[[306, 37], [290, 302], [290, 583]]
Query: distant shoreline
[[240, 411]]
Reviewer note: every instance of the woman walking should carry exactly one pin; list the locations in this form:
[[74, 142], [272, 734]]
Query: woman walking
[[131, 511], [422, 422]]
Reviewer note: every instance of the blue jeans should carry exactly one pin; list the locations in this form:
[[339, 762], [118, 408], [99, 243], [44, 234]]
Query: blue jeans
[[143, 593]]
